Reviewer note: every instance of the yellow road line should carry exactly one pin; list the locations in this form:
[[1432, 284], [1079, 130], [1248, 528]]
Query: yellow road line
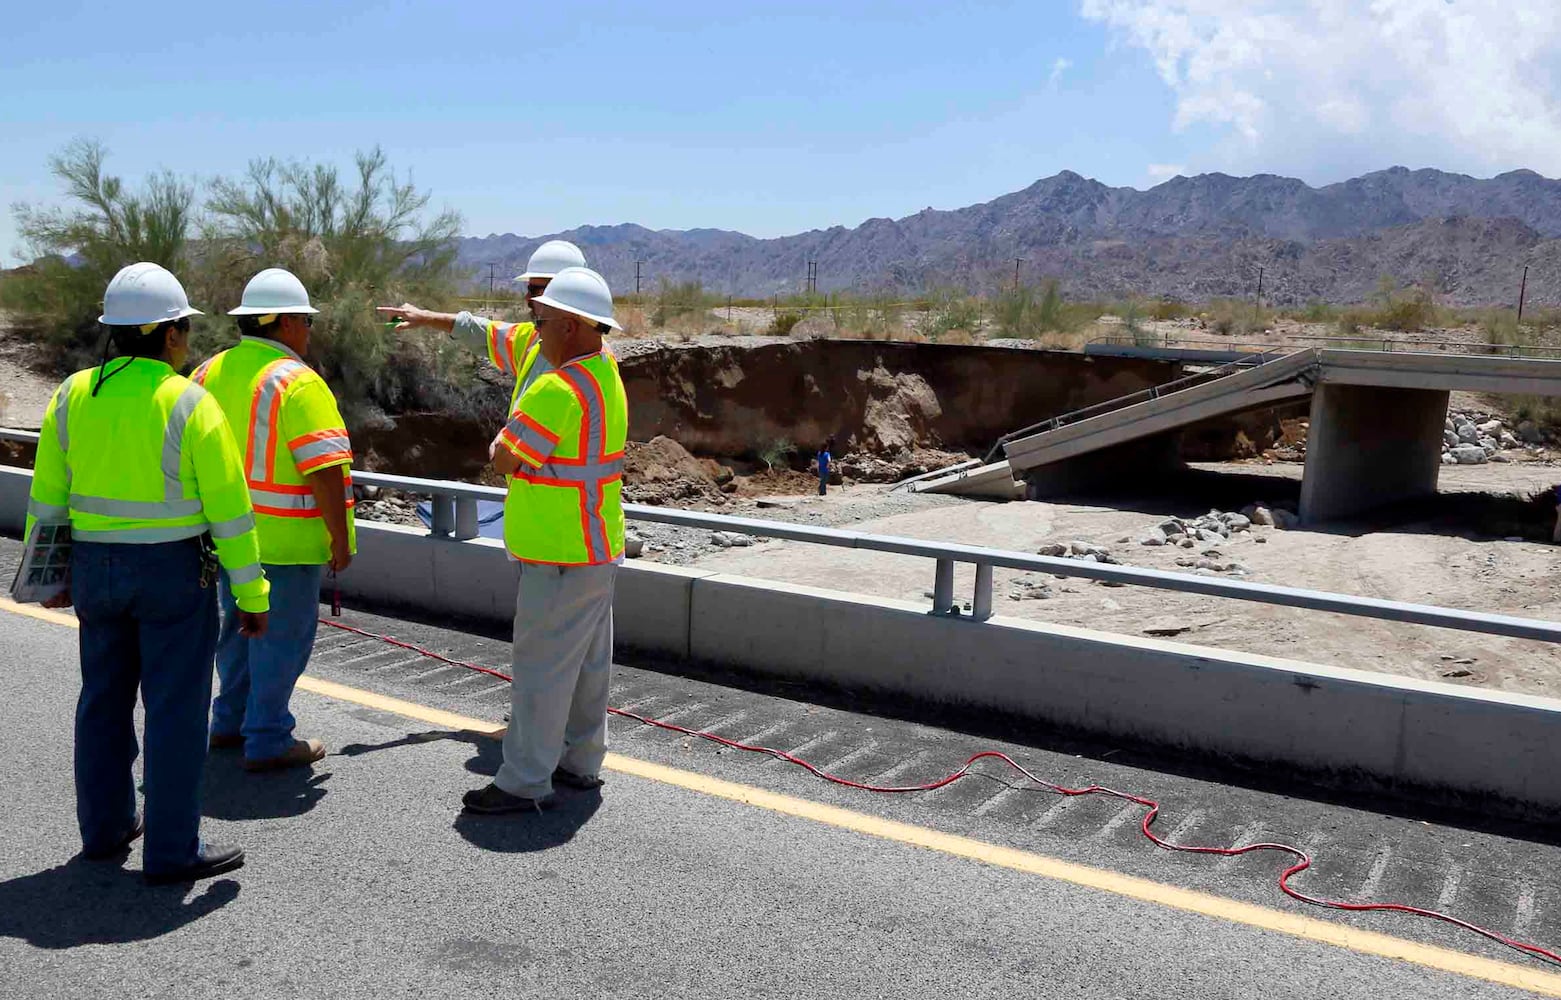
[[1174, 897], [34, 611]]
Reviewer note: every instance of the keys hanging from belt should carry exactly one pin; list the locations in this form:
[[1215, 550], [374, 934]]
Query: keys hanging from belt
[[209, 564]]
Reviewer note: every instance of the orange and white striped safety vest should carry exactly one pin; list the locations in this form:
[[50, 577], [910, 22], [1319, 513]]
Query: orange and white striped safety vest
[[289, 426]]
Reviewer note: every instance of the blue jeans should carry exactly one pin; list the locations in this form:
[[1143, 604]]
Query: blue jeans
[[258, 675], [145, 622]]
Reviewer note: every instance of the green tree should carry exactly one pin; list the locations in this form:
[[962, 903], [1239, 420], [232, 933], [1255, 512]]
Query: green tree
[[354, 244], [79, 247]]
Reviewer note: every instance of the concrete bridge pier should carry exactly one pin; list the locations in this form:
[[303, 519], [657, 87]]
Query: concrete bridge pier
[[1369, 446]]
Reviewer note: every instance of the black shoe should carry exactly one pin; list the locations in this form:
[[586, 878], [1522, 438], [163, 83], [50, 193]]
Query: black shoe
[[119, 849], [583, 782], [492, 800], [213, 860]]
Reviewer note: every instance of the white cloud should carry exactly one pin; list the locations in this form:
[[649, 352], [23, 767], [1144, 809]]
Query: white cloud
[[1059, 67], [1342, 85], [1165, 171]]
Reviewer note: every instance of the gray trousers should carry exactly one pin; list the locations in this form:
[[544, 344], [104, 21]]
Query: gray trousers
[[563, 666]]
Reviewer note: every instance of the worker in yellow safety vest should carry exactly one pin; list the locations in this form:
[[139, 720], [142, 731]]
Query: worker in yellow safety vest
[[140, 462], [298, 460], [563, 522]]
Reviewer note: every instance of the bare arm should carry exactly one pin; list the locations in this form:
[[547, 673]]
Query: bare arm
[[408, 317], [330, 494]]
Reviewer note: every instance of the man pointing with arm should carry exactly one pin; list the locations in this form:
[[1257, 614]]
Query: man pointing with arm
[[563, 522]]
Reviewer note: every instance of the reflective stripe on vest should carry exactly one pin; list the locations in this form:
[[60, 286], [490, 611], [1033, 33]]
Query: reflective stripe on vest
[[264, 410], [62, 421], [312, 447], [47, 513], [173, 444], [593, 470], [279, 500]]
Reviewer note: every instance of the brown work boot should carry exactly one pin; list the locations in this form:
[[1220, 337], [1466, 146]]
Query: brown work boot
[[227, 741], [301, 754]]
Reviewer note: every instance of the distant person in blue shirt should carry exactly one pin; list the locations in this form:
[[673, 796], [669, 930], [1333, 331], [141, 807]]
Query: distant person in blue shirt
[[823, 466]]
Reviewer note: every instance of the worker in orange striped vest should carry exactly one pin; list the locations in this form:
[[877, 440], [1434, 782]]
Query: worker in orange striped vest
[[563, 522], [298, 461]]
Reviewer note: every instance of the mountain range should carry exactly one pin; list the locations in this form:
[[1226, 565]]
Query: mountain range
[[1190, 238]]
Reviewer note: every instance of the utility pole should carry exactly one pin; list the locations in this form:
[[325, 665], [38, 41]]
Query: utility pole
[[812, 280], [1522, 291], [491, 265], [1260, 286], [1017, 262], [637, 278]]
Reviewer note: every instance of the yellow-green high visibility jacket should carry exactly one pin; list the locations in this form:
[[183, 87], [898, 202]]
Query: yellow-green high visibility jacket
[[149, 459], [287, 420], [565, 502]]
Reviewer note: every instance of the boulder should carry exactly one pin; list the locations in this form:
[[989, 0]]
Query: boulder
[[1468, 433], [1470, 454], [1154, 538], [1286, 520], [1054, 549], [1239, 522], [1529, 433], [1450, 438], [1491, 428], [633, 545]]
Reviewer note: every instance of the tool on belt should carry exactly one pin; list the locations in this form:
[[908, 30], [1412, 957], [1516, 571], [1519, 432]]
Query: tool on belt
[[209, 563]]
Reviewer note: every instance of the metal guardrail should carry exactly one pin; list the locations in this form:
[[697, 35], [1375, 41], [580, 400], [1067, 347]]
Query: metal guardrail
[[455, 515]]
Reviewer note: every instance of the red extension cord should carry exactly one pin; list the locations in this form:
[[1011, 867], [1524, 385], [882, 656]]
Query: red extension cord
[[1303, 860]]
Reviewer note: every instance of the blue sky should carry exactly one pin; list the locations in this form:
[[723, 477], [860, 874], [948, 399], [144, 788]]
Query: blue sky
[[773, 118]]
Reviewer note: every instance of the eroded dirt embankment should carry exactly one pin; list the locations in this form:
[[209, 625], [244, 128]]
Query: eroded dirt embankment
[[745, 404]]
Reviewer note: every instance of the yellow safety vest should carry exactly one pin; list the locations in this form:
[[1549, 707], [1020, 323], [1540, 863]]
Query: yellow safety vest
[[291, 427], [564, 506], [149, 459]]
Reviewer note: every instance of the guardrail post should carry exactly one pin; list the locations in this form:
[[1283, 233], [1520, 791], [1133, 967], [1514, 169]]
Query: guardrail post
[[444, 513], [943, 588], [981, 607], [465, 518]]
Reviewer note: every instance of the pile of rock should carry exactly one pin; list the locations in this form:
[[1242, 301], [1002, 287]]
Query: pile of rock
[[1031, 588], [1472, 438], [1082, 551], [385, 506], [1212, 563], [1215, 526]]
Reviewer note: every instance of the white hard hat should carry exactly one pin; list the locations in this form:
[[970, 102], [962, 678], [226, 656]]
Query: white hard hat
[[581, 291], [273, 290], [550, 258], [144, 293]]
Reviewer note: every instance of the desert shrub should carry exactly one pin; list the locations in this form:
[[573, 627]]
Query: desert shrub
[[782, 324], [674, 300]]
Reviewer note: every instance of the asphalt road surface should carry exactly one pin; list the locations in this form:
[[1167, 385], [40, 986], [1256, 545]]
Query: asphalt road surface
[[706, 872]]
